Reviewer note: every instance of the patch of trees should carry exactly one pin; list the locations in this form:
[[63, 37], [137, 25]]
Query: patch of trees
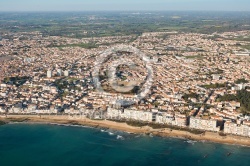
[[190, 95], [242, 96], [242, 80], [214, 86], [18, 81], [82, 45]]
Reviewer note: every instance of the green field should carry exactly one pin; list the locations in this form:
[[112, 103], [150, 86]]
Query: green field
[[82, 24]]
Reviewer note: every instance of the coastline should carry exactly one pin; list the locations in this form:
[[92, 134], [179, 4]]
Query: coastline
[[165, 132]]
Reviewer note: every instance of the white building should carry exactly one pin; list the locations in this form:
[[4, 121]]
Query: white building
[[2, 110], [59, 72], [165, 118], [49, 73], [130, 114], [203, 124], [66, 73], [237, 129]]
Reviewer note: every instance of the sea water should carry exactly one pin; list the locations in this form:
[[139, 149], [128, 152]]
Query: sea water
[[45, 145]]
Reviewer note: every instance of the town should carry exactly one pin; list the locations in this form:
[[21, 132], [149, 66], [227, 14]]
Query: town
[[200, 81]]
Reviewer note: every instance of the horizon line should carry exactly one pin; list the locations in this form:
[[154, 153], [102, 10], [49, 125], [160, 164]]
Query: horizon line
[[126, 11]]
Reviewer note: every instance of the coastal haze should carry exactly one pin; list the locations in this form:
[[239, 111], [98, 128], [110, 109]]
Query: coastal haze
[[99, 82]]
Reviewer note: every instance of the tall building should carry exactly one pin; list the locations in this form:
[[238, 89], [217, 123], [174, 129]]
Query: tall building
[[59, 72], [66, 73], [49, 73], [204, 124]]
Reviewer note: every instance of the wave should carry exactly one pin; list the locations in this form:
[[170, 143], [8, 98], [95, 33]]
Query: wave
[[120, 137], [190, 141], [110, 133], [70, 125], [48, 123]]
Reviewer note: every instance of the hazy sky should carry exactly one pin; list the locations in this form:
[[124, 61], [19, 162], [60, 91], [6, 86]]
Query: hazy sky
[[84, 5]]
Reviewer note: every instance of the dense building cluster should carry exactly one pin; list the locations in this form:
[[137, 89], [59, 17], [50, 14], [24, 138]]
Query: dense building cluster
[[192, 74]]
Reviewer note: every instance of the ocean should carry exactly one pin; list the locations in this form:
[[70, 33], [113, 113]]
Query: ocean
[[45, 145]]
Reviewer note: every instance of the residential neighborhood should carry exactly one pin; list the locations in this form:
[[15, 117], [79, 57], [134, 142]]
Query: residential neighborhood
[[182, 79]]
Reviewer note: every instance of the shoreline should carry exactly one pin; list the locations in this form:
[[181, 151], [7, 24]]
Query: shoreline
[[121, 126]]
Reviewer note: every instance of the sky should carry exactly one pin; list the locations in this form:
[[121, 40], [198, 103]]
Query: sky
[[134, 5]]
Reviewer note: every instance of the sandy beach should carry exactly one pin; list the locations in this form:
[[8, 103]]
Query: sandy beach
[[65, 119]]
